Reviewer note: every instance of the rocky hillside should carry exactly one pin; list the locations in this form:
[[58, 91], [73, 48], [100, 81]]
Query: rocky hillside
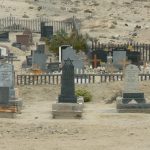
[[107, 20]]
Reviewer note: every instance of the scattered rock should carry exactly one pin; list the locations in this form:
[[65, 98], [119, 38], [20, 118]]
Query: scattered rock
[[134, 34]]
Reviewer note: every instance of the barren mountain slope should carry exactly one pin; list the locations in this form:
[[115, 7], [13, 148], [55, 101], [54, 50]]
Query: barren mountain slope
[[108, 20]]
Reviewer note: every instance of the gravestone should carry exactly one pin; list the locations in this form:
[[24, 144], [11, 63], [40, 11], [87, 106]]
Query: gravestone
[[28, 32], [39, 61], [131, 85], [54, 66], [4, 95], [132, 99], [119, 59], [29, 61], [77, 61], [134, 57], [4, 36], [3, 51], [67, 83], [23, 39], [46, 31], [61, 48], [68, 104], [7, 91], [6, 75]]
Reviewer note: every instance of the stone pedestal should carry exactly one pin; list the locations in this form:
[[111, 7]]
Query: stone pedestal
[[132, 107], [8, 112], [11, 109], [68, 110], [18, 103], [7, 115]]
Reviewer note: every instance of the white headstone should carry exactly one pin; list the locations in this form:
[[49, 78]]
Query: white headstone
[[131, 80], [119, 58], [6, 75]]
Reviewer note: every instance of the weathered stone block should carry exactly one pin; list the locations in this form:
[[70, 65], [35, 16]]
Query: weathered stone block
[[67, 110]]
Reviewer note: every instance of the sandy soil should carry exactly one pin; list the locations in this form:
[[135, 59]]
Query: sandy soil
[[108, 20], [100, 128]]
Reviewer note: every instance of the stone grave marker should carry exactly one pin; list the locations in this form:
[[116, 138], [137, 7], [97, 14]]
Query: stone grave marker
[[23, 39], [46, 31], [131, 85], [37, 59], [4, 36], [6, 75], [68, 104], [28, 32], [8, 97], [77, 61], [53, 66], [4, 95], [4, 51], [132, 99], [119, 58], [67, 83], [131, 81]]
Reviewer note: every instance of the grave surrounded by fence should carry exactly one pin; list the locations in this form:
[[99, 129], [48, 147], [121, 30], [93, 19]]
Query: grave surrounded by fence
[[144, 49], [19, 25], [79, 78]]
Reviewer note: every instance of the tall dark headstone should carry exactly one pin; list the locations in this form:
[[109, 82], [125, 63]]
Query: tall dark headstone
[[4, 36], [46, 31], [67, 83]]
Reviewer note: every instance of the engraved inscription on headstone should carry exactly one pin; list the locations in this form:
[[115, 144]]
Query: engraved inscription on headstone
[[131, 84], [6, 75]]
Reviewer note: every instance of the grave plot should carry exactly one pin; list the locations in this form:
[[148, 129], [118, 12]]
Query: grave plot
[[46, 31], [10, 104], [4, 36], [132, 99], [68, 52], [37, 60], [67, 105]]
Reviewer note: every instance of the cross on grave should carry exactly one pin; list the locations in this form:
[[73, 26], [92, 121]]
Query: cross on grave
[[95, 61], [10, 58]]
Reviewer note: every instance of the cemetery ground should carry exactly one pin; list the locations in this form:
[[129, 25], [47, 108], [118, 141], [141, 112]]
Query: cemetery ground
[[100, 128]]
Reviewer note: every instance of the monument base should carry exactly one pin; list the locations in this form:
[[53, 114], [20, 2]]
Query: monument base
[[132, 107], [8, 112], [18, 103], [68, 110]]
